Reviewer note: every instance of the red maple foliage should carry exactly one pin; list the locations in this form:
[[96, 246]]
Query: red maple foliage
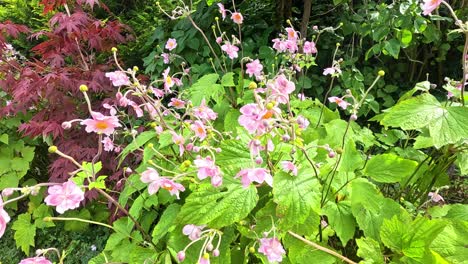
[[47, 84]]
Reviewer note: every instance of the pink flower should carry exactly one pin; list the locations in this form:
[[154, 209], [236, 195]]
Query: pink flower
[[288, 166], [309, 47], [168, 81], [178, 140], [151, 176], [108, 144], [272, 248], [177, 103], [429, 6], [171, 44], [222, 10], [181, 256], [258, 175], [281, 88], [4, 218], [291, 46], [219, 40], [199, 129], [205, 259], [101, 123], [65, 196], [435, 197], [192, 231], [292, 34], [302, 121], [254, 68], [331, 71], [118, 78], [231, 50], [279, 45], [122, 100], [165, 57], [253, 118], [35, 260], [203, 112], [237, 18], [207, 168], [255, 147], [339, 101]]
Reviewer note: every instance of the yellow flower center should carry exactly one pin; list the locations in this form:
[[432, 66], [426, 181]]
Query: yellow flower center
[[101, 125]]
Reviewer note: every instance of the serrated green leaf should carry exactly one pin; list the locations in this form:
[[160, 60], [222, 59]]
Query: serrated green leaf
[[389, 168], [351, 159], [165, 222], [218, 207], [139, 141], [341, 219], [4, 138], [142, 255], [206, 88], [233, 157], [392, 47], [370, 251], [137, 206], [451, 243], [25, 232], [228, 80]]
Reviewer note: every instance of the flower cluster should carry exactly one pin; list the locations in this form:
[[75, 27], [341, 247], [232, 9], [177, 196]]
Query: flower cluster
[[196, 233]]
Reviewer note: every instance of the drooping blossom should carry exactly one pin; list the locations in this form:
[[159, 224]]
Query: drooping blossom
[[272, 249], [165, 57], [222, 10], [203, 112], [207, 168], [331, 71], [339, 101], [309, 47], [177, 103], [111, 108], [254, 68], [108, 144], [288, 166], [435, 197], [237, 18], [279, 45], [205, 259], [255, 147], [231, 50], [292, 34], [65, 196], [199, 129], [101, 123], [178, 140], [291, 46], [168, 81], [430, 5], [4, 218], [122, 100], [192, 231], [171, 44], [35, 260], [151, 176], [281, 88], [118, 78], [302, 121], [258, 175]]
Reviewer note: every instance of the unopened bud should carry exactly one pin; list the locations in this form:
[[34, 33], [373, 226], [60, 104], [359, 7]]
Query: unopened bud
[[150, 145], [7, 192], [251, 249], [52, 149], [47, 219], [135, 68], [83, 88], [216, 253], [286, 138], [66, 125], [186, 163], [339, 150], [252, 85], [181, 256], [114, 49], [216, 18], [331, 154], [209, 247], [258, 160], [353, 117], [381, 73]]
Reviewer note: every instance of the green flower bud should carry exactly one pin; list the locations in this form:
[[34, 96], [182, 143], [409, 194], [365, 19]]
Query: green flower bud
[[83, 88], [53, 149]]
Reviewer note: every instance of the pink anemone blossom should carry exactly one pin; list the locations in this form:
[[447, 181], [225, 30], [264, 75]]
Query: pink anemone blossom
[[35, 260], [254, 68], [331, 71], [151, 176], [288, 166], [177, 103], [108, 144], [339, 101], [192, 231], [254, 119], [429, 6], [118, 78], [258, 175], [222, 10], [292, 34], [237, 18], [4, 218], [231, 50], [309, 47], [101, 124], [207, 168], [272, 249], [203, 112], [65, 196], [171, 44], [199, 129], [178, 140]]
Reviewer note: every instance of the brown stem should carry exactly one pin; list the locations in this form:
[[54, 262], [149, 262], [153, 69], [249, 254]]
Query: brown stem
[[324, 249], [305, 17]]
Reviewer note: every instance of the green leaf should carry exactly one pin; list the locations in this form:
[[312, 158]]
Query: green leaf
[[300, 253], [392, 47], [233, 157], [296, 196], [142, 255], [341, 219], [351, 159], [446, 124], [137, 206], [451, 243], [206, 88], [25, 232], [139, 141], [406, 37], [228, 80], [218, 207], [370, 251], [4, 138], [165, 223], [389, 168], [77, 225]]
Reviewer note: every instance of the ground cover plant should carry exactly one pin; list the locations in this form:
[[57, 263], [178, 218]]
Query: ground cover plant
[[220, 151]]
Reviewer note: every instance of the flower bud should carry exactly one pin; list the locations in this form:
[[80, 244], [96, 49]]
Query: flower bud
[[128, 170], [339, 150], [258, 160], [381, 73], [315, 28], [52, 149], [216, 18], [270, 106], [252, 85], [150, 145], [252, 250], [216, 253], [135, 68], [47, 219], [331, 154], [7, 192], [83, 88], [286, 138], [186, 163], [353, 117], [209, 247], [114, 49], [181, 256]]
